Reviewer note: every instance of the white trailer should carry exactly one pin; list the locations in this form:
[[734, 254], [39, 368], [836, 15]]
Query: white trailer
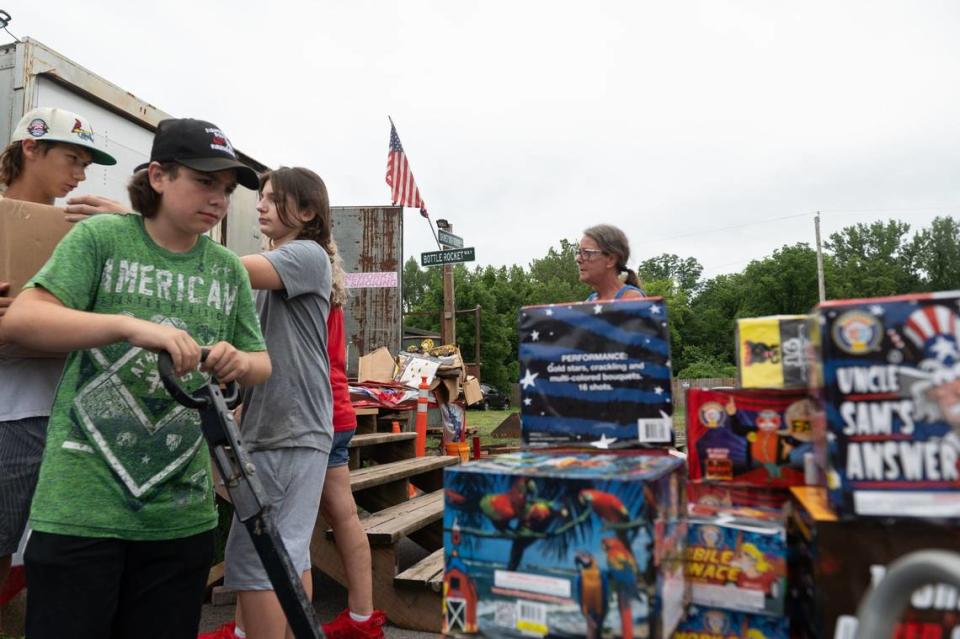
[[33, 75]]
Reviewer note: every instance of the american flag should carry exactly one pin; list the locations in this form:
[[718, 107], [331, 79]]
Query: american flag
[[400, 178]]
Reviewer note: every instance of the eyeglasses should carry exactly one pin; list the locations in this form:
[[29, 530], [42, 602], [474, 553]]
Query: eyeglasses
[[585, 254]]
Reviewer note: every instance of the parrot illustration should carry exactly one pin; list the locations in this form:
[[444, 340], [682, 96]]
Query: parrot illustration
[[538, 516], [608, 508], [623, 572], [502, 508], [593, 591]]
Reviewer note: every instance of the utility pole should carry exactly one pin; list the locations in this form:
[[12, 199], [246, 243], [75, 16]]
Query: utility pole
[[820, 283], [448, 323]]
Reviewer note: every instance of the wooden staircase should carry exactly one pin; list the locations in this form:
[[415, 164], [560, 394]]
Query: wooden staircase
[[383, 467]]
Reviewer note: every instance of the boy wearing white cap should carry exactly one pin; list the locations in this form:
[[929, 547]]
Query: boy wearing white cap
[[46, 159]]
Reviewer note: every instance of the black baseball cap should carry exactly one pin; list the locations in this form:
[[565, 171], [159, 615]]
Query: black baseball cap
[[200, 146]]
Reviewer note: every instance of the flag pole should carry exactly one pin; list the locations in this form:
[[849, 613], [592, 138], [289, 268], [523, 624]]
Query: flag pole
[[423, 210]]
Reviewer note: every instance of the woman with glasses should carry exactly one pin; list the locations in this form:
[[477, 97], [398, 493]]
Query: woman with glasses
[[602, 257]]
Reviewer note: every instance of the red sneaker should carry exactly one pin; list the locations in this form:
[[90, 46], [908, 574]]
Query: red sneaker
[[223, 632], [343, 627]]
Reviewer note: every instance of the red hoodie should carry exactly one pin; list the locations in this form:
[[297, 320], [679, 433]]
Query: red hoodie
[[343, 416]]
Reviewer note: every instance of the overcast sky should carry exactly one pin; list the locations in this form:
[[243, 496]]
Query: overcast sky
[[527, 121]]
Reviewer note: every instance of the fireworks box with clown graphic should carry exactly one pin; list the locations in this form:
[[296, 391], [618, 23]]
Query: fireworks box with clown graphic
[[565, 544], [889, 437], [736, 559], [714, 623], [748, 436], [596, 371]]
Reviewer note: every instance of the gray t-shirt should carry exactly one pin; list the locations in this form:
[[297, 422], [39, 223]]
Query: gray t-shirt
[[294, 408]]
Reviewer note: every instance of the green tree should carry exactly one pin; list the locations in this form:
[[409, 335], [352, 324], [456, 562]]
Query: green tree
[[935, 252], [709, 333], [872, 260], [685, 272], [784, 283]]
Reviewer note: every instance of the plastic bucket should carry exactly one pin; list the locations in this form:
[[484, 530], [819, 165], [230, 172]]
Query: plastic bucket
[[458, 449]]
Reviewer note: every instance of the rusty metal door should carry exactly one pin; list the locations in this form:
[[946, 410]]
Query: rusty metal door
[[370, 240]]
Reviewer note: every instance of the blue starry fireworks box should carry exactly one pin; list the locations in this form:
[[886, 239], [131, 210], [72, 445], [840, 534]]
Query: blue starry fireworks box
[[565, 544], [714, 623], [889, 437], [736, 559], [595, 371]]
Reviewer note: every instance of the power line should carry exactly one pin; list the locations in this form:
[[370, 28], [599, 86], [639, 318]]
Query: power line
[[725, 228]]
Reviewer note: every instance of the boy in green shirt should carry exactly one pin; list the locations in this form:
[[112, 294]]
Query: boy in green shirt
[[123, 511]]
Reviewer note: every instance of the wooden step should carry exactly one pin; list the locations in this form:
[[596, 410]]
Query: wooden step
[[427, 573], [364, 478], [374, 439], [390, 524]]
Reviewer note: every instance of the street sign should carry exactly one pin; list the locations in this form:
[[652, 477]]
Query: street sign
[[437, 258], [449, 240]]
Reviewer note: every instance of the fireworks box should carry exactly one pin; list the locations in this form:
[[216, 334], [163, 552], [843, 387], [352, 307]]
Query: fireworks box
[[565, 544], [714, 623], [596, 371], [772, 352], [727, 494], [836, 562], [736, 559], [889, 436], [749, 437]]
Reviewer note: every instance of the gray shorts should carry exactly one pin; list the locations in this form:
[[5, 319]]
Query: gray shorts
[[21, 451], [292, 479]]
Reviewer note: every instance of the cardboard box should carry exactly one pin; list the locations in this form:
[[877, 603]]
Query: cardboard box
[[749, 437], [377, 366], [889, 437], [714, 623], [836, 562], [28, 234], [533, 538], [737, 559], [772, 352], [596, 370], [471, 391]]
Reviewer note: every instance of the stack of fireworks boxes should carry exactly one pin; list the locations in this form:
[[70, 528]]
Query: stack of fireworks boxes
[[581, 533], [886, 373], [746, 447]]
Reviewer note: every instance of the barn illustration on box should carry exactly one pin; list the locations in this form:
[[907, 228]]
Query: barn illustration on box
[[562, 545]]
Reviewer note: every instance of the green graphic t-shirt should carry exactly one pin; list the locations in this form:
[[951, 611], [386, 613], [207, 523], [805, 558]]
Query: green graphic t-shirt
[[122, 458]]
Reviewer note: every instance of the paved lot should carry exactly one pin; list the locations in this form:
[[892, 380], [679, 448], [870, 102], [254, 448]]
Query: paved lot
[[329, 598]]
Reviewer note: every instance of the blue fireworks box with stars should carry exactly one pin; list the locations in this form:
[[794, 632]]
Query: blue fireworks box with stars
[[714, 623], [596, 371], [888, 370], [565, 543]]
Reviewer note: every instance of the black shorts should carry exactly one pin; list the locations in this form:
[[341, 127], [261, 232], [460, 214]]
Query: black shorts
[[97, 588]]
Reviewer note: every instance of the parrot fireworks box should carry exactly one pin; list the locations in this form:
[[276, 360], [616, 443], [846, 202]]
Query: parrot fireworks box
[[713, 623], [772, 352], [596, 370], [565, 544], [889, 438], [830, 578], [736, 559], [748, 437]]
